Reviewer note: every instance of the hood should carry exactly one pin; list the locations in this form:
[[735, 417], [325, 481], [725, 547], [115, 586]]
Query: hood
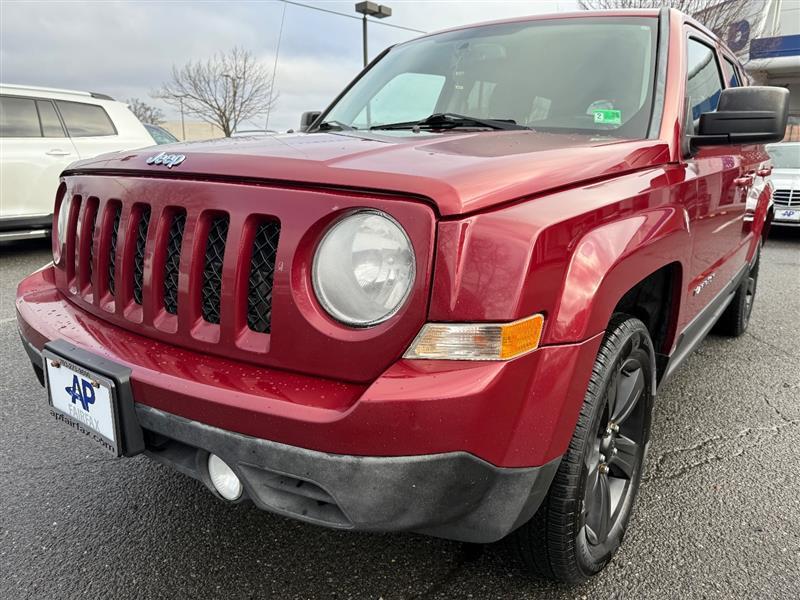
[[458, 172], [788, 179]]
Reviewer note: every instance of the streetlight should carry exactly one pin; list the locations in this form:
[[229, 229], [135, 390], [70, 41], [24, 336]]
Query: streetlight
[[372, 9]]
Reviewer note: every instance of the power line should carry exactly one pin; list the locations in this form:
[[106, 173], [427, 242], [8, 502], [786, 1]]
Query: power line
[[341, 14], [275, 68]]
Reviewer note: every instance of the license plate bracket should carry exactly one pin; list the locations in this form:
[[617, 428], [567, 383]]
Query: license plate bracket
[[104, 377]]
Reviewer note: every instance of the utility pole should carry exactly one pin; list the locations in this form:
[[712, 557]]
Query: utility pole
[[234, 79], [183, 122]]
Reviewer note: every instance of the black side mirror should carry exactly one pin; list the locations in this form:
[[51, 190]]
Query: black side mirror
[[745, 115], [308, 118]]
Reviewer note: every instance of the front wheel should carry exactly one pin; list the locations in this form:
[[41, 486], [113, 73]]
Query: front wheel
[[582, 521]]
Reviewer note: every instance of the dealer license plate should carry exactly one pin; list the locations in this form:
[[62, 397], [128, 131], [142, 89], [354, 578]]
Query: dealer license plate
[[788, 214], [83, 400]]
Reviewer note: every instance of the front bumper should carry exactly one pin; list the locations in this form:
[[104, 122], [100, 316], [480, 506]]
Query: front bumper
[[452, 495], [456, 449]]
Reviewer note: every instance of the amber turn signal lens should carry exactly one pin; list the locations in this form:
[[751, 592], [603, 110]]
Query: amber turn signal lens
[[477, 341]]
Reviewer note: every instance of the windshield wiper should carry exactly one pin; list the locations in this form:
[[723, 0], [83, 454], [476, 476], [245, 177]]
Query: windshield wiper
[[329, 125], [451, 121]]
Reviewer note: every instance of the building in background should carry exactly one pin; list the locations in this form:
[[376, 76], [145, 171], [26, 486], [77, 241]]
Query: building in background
[[195, 130], [765, 35], [774, 56]]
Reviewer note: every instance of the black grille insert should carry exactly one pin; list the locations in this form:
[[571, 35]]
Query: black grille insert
[[173, 263], [138, 258], [262, 270], [92, 227], [112, 249], [212, 271]]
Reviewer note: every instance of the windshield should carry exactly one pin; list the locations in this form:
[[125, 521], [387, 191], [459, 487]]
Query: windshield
[[785, 156], [561, 75]]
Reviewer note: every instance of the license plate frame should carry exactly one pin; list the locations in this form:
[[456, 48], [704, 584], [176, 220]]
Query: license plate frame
[[128, 437]]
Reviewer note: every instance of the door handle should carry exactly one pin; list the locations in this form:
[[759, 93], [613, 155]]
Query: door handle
[[765, 172], [57, 152], [745, 181]]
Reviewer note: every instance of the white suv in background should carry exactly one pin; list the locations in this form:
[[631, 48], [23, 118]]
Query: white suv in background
[[42, 130]]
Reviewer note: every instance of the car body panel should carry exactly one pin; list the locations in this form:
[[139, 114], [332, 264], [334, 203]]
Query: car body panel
[[29, 172], [449, 171], [303, 336], [510, 414]]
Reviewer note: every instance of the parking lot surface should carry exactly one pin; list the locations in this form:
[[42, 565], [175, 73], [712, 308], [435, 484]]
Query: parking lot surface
[[717, 515]]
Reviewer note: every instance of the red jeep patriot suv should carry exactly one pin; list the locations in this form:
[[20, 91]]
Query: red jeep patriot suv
[[446, 306]]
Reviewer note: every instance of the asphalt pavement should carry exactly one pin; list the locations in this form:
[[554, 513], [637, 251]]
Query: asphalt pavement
[[718, 515]]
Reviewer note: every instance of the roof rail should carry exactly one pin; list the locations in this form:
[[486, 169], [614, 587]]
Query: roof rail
[[37, 88]]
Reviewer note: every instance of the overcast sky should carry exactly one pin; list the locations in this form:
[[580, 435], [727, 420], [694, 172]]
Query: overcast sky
[[126, 49]]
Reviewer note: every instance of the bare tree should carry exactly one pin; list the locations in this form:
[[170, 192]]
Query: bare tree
[[717, 16], [225, 90], [145, 112]]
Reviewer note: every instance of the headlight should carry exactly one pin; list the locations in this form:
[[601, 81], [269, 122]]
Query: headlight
[[61, 228], [364, 269]]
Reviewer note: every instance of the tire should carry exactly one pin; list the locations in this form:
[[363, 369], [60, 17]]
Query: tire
[[734, 321], [574, 534]]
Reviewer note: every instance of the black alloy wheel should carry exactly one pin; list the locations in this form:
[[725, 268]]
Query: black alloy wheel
[[580, 524]]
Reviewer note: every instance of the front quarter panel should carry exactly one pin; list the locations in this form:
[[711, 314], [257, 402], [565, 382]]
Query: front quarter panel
[[571, 255]]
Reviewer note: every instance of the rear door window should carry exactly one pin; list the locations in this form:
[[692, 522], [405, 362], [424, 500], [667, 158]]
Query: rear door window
[[18, 118], [51, 124], [85, 120], [704, 81]]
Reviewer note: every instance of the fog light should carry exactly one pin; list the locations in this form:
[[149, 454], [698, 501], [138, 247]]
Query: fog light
[[223, 478]]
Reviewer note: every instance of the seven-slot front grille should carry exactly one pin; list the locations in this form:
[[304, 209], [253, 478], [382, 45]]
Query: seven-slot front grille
[[786, 197], [119, 253]]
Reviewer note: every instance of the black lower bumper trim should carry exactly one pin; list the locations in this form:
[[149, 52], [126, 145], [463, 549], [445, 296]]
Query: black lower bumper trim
[[452, 495]]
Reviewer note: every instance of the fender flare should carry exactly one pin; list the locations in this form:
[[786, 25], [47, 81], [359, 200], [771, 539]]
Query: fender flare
[[610, 260]]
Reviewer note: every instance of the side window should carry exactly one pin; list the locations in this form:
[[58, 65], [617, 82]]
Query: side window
[[731, 76], [704, 82], [18, 118], [51, 125], [85, 120], [407, 97]]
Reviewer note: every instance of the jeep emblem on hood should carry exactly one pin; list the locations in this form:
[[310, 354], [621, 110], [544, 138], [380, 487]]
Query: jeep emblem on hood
[[168, 160]]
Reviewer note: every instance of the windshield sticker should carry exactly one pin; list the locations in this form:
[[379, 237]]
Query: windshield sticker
[[607, 117]]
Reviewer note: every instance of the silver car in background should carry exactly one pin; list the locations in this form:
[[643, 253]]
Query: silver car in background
[[786, 183]]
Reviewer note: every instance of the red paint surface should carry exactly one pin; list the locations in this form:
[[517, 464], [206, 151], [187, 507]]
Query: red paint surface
[[504, 225]]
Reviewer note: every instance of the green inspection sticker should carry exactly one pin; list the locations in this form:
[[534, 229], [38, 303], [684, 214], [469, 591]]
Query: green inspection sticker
[[607, 117]]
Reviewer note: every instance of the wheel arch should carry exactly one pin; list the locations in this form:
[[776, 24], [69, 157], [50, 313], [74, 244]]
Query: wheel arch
[[643, 258]]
